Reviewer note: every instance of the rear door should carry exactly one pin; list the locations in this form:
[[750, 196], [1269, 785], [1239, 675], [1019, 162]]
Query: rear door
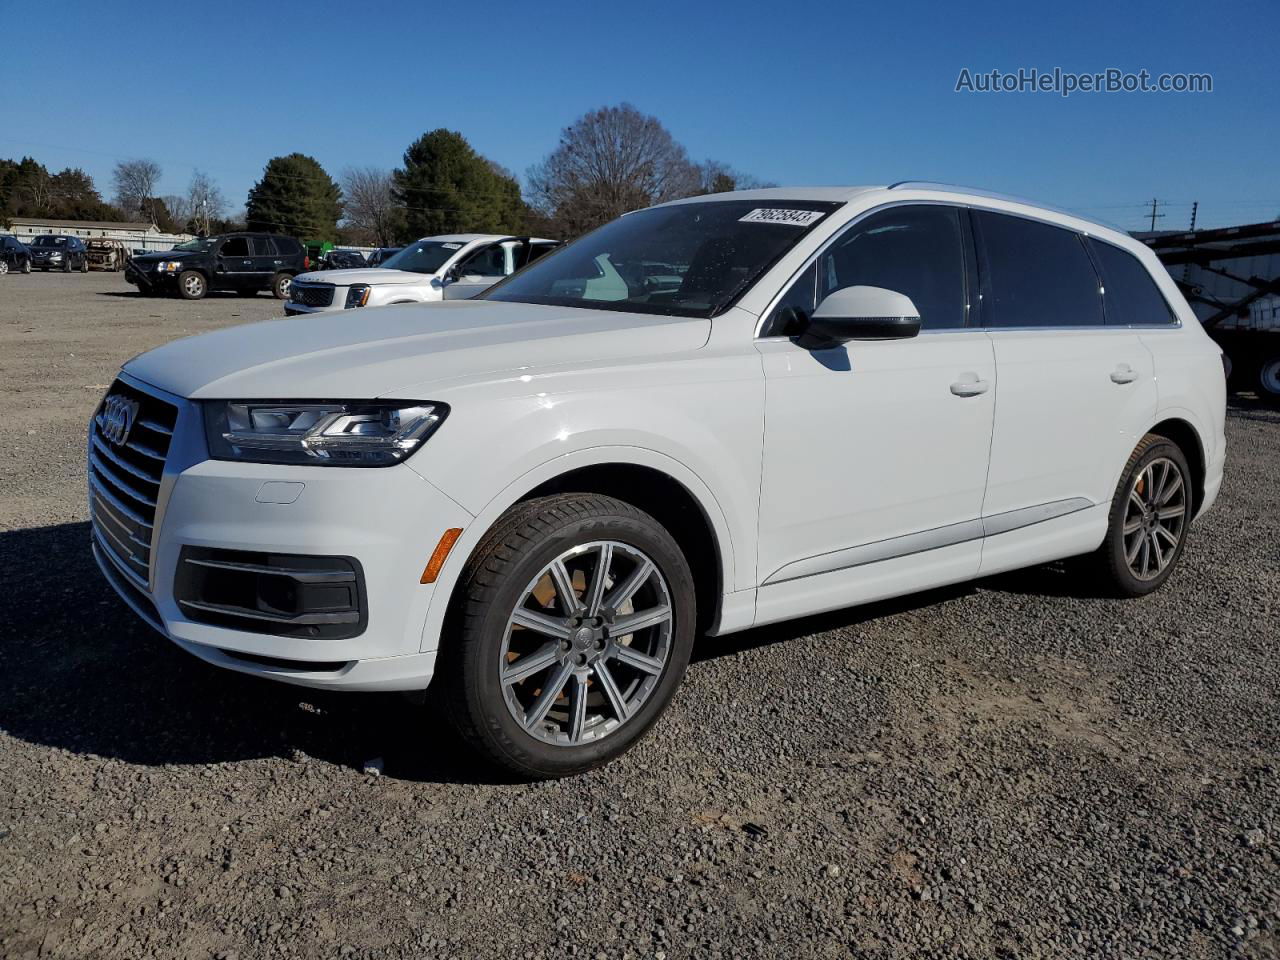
[[1076, 395], [267, 260]]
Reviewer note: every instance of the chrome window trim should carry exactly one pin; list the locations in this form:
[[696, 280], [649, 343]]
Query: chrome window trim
[[840, 231]]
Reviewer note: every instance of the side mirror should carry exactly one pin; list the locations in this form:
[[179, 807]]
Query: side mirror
[[860, 313]]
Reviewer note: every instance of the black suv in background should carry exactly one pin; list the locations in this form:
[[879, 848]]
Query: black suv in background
[[242, 263], [14, 256], [55, 252]]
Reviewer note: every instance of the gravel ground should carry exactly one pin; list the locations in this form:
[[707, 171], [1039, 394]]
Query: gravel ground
[[1009, 769]]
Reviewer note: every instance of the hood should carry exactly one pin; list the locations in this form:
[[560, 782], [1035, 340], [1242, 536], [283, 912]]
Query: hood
[[404, 351], [369, 275]]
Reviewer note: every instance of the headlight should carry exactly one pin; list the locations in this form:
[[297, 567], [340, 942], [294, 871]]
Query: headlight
[[357, 295], [169, 266], [323, 433]]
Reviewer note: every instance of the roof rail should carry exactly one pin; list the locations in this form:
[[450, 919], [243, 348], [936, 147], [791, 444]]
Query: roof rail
[[992, 195]]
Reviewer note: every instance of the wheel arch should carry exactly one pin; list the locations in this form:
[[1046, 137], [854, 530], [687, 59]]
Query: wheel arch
[[646, 479], [1184, 435]]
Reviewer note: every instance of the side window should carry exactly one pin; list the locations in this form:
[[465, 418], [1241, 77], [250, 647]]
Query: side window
[[789, 317], [235, 247], [1129, 294], [489, 262], [286, 246], [263, 247], [1035, 275], [914, 250]]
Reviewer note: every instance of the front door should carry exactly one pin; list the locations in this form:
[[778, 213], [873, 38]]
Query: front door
[[478, 271], [875, 451], [235, 268]]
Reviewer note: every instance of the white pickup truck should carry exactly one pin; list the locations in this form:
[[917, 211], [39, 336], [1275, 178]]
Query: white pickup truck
[[452, 267]]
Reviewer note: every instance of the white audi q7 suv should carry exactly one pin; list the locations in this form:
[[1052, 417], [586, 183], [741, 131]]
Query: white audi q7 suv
[[453, 267], [702, 417]]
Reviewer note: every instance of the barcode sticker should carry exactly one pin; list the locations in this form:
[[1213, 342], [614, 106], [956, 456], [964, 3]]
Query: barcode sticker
[[792, 218]]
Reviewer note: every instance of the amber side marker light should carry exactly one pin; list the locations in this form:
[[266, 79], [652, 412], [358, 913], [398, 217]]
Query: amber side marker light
[[440, 555]]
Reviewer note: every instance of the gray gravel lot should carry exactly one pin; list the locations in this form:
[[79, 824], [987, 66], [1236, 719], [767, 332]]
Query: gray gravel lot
[[1010, 769]]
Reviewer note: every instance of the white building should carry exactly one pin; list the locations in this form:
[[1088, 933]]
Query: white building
[[135, 236]]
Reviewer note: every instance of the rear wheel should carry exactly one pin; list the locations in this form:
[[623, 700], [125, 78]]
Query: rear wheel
[[280, 285], [573, 626], [1269, 380], [192, 285], [1149, 517]]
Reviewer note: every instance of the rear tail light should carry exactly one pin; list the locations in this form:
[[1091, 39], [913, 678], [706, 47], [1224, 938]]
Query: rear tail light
[[306, 262]]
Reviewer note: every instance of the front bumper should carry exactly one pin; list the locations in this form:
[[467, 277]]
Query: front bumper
[[389, 519]]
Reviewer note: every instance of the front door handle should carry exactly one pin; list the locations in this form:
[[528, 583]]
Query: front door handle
[[970, 387], [1124, 374]]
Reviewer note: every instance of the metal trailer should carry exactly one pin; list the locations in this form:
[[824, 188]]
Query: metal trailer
[[1231, 278]]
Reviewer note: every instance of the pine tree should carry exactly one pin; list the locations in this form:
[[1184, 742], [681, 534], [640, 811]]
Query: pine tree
[[295, 196], [446, 187]]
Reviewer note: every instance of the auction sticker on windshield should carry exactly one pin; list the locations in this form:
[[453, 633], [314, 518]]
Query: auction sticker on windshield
[[794, 218]]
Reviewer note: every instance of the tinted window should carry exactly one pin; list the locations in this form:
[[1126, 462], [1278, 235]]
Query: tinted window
[[1129, 295], [688, 259], [1035, 275], [286, 245], [263, 247], [917, 251], [235, 247], [489, 262]]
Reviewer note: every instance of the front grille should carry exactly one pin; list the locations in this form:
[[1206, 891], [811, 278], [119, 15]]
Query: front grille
[[311, 294], [124, 481]]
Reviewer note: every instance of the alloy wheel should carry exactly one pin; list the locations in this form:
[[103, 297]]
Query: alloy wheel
[[1269, 376], [1155, 518], [193, 285], [587, 644]]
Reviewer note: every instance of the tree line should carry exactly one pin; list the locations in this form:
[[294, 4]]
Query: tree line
[[607, 162]]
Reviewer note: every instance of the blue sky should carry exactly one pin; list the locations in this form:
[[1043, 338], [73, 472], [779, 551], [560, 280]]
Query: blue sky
[[792, 92]]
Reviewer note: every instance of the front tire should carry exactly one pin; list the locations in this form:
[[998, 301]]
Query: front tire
[[1150, 514], [192, 285], [280, 285], [26, 266], [4, 267], [538, 673]]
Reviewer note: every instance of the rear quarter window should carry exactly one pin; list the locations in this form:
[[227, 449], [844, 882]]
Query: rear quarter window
[[1130, 295]]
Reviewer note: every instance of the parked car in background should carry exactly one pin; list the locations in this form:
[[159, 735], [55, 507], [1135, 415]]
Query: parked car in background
[[454, 267], [342, 260], [243, 263], [848, 394], [381, 255], [106, 254], [14, 256], [57, 252]]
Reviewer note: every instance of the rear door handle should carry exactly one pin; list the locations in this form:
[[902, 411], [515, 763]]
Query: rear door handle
[[970, 388], [1124, 374]]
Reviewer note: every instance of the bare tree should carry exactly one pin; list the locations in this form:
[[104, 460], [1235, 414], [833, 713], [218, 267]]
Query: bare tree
[[178, 208], [608, 162], [715, 176], [135, 183], [369, 205], [204, 201]]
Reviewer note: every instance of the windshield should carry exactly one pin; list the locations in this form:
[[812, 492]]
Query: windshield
[[198, 245], [689, 260], [425, 256], [49, 242]]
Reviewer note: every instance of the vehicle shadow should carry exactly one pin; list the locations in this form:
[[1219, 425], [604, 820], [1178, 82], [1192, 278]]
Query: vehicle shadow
[[138, 295], [80, 672]]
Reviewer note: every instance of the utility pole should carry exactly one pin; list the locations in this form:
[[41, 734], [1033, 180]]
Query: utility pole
[[1195, 204], [1154, 216]]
